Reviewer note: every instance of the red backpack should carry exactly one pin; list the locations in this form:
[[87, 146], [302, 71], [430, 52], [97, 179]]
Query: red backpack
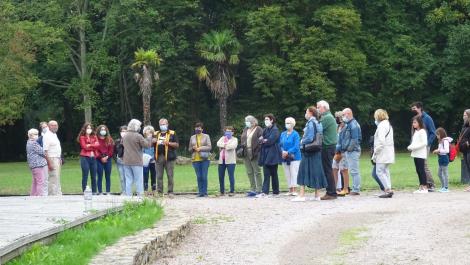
[[452, 152]]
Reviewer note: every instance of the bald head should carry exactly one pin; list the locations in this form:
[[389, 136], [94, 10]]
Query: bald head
[[347, 112]]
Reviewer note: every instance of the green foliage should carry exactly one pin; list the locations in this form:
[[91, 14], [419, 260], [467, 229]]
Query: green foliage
[[79, 245]]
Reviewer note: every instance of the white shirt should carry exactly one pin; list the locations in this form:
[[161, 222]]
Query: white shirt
[[51, 144], [419, 144]]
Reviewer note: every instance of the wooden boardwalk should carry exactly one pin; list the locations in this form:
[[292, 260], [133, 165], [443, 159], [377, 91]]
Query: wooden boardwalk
[[25, 219]]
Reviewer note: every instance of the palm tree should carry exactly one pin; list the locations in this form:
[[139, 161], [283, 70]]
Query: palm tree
[[145, 65], [220, 49]]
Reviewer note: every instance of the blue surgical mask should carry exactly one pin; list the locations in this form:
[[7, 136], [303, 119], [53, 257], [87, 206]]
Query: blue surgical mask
[[163, 128], [376, 123], [102, 132], [247, 124], [268, 123], [228, 134], [288, 126]]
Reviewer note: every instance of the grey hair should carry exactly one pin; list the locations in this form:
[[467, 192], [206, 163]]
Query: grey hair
[[134, 125], [251, 119], [148, 128], [291, 120], [32, 132], [324, 104], [339, 114], [162, 120]]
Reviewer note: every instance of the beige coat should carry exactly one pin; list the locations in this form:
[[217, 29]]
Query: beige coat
[[205, 146], [384, 150], [230, 150]]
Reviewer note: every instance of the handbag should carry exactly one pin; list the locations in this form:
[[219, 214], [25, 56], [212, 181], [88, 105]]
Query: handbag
[[203, 154], [317, 143]]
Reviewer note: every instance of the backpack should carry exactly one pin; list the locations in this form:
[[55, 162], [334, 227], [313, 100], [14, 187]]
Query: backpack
[[452, 152]]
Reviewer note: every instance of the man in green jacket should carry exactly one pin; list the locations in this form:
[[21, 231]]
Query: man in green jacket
[[330, 138]]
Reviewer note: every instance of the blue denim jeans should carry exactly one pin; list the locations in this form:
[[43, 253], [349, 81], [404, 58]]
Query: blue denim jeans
[[376, 178], [201, 168], [106, 167], [122, 175], [353, 165], [231, 176], [134, 175], [88, 164], [153, 177]]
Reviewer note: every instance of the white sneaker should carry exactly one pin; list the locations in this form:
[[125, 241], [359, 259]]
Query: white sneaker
[[294, 194], [421, 191], [316, 198], [298, 199], [261, 195], [287, 194]]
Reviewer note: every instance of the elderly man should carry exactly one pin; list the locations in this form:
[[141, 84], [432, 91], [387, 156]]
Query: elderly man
[[53, 152], [166, 143], [417, 108], [350, 145], [330, 138]]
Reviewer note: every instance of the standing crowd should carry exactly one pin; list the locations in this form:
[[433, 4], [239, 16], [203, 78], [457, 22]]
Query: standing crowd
[[326, 156]]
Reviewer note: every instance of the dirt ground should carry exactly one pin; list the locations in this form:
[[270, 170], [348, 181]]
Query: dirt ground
[[410, 228]]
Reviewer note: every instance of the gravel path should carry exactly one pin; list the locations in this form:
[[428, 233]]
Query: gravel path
[[429, 228]]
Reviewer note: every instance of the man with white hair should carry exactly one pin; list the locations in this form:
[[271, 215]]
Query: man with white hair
[[350, 144], [133, 143], [53, 152], [330, 137], [166, 143]]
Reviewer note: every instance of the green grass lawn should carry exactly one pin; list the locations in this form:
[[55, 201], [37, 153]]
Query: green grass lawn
[[15, 178], [78, 245]]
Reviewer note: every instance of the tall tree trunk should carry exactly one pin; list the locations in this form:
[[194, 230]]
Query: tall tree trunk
[[83, 63], [146, 93], [223, 112]]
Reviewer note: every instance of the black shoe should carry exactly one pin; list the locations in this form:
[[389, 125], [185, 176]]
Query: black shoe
[[386, 195]]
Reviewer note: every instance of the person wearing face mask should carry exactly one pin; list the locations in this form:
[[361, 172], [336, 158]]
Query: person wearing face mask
[[251, 148], [270, 155], [104, 153], [463, 143], [350, 145], [149, 162], [340, 166], [118, 153], [53, 152], [227, 159], [311, 173], [89, 145], [290, 147], [42, 129], [37, 163], [384, 151], [200, 146], [417, 109], [166, 143], [330, 139], [132, 158]]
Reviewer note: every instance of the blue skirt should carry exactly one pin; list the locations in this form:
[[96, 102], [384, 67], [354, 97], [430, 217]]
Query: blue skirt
[[311, 171]]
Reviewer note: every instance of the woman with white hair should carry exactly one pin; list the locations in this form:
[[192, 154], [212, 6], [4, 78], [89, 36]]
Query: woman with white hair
[[250, 152], [149, 161], [133, 143], [290, 147], [37, 163]]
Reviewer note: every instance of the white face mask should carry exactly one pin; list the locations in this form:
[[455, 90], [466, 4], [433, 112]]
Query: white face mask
[[88, 131], [103, 133], [122, 134], [44, 130], [247, 124], [268, 123], [345, 119], [307, 117], [288, 126]]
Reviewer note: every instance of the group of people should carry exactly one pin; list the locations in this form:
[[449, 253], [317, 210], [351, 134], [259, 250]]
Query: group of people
[[325, 156]]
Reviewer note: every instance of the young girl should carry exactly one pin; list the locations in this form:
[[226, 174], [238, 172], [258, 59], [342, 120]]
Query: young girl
[[443, 158], [418, 148]]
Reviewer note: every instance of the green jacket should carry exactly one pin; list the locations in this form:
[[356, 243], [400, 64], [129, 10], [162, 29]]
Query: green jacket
[[329, 125]]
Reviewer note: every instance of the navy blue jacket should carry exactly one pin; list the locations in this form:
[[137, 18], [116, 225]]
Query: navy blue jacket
[[430, 127], [270, 153]]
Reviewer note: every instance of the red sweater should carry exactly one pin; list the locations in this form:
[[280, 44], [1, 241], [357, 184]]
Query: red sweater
[[105, 149], [92, 141]]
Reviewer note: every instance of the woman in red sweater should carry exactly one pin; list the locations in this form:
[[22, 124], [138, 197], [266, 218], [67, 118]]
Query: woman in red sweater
[[104, 157], [89, 145]]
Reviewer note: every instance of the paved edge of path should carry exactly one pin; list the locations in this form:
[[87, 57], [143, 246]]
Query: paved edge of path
[[148, 245], [23, 244]]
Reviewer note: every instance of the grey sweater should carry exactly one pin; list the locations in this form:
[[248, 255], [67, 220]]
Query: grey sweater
[[133, 143]]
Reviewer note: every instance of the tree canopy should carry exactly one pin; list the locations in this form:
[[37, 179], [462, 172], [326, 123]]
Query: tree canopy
[[70, 60]]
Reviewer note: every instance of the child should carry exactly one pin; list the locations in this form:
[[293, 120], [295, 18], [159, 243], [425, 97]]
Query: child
[[418, 148], [443, 158]]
